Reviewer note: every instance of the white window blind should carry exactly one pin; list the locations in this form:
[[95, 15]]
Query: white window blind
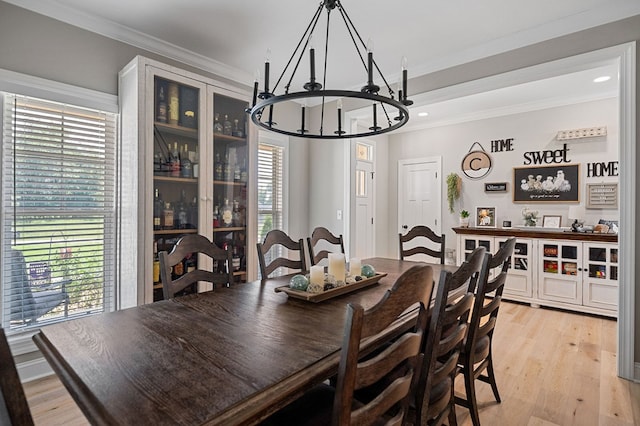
[[58, 212], [270, 191]]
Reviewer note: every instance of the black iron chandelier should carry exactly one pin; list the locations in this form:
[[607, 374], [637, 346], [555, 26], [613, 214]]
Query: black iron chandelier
[[389, 113]]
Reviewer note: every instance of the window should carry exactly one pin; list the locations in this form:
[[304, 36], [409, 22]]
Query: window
[[271, 200], [58, 211]]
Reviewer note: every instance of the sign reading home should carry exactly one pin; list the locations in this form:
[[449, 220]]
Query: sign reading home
[[495, 187]]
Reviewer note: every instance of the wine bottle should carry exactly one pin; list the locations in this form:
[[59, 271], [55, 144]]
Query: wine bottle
[[158, 206], [156, 263], [237, 218], [186, 167], [175, 161], [216, 217]]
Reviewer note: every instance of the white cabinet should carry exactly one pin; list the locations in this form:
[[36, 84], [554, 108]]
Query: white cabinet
[[564, 270], [186, 138]]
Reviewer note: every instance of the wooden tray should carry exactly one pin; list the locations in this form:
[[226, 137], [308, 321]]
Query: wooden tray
[[334, 292]]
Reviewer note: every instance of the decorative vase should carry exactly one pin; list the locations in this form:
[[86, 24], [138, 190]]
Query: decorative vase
[[464, 222]]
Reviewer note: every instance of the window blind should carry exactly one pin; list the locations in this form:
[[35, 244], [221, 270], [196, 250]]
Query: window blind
[[270, 191], [58, 211]]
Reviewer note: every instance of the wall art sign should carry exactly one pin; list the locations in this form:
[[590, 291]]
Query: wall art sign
[[495, 187], [476, 164], [548, 156], [558, 183]]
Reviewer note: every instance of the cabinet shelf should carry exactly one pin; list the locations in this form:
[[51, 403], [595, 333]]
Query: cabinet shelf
[[229, 229], [221, 137], [229, 183], [180, 180], [177, 130], [174, 231]]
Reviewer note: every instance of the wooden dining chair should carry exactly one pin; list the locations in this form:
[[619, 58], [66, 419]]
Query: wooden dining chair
[[477, 356], [422, 240], [433, 398], [193, 244], [269, 262], [318, 242], [14, 409], [326, 405]]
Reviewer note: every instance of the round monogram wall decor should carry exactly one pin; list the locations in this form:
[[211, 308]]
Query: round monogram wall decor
[[476, 164]]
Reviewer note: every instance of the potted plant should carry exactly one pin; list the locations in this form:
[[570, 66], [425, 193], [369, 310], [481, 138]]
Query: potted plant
[[464, 219], [454, 185]]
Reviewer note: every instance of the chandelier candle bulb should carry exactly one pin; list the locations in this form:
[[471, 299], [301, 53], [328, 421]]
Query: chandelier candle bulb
[[339, 104], [256, 81], [316, 275], [302, 119], [355, 267], [337, 266], [266, 72], [404, 77], [370, 61], [312, 59]]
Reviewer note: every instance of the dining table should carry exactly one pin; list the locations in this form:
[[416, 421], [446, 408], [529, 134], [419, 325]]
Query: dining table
[[231, 356]]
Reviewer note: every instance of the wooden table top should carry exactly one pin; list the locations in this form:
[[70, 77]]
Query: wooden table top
[[232, 356]]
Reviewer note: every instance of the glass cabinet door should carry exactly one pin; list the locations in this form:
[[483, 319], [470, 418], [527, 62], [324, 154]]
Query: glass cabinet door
[[560, 273], [176, 171], [230, 177], [601, 275]]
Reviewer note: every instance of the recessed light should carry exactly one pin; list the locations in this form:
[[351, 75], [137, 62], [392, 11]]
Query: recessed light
[[423, 114], [602, 79]]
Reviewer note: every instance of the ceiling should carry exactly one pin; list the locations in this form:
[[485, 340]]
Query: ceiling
[[230, 39]]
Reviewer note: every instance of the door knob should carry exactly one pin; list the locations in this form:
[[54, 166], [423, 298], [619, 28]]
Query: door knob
[[405, 227]]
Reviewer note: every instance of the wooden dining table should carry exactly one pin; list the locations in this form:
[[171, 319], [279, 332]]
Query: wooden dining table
[[227, 357]]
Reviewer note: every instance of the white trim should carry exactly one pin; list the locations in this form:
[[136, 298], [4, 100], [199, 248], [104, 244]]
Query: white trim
[[41, 88], [34, 369], [115, 31], [637, 373], [627, 155]]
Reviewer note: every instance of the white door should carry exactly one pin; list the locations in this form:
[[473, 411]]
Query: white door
[[419, 194], [364, 210]]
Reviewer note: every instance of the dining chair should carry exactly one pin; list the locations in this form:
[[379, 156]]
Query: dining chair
[[422, 240], [325, 404], [193, 244], [32, 295], [14, 409], [433, 395], [477, 356], [319, 240], [270, 261]]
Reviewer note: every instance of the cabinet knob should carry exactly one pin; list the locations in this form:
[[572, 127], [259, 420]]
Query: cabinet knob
[[405, 227]]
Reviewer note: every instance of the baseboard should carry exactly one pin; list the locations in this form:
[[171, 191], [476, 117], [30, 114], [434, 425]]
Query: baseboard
[[636, 372], [34, 369]]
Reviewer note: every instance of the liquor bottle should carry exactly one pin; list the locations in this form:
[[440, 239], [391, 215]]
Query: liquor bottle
[[227, 214], [175, 161], [181, 211], [226, 169], [156, 263], [161, 104], [235, 258], [243, 171], [217, 168], [216, 217], [178, 270], [195, 164], [217, 126], [237, 130], [237, 218], [190, 263], [174, 103], [167, 216], [193, 214], [186, 167], [227, 129], [158, 207], [236, 173]]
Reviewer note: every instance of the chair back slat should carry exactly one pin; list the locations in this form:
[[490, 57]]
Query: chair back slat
[[194, 244], [322, 236], [418, 241], [276, 238]]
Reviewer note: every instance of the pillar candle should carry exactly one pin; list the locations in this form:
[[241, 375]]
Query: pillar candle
[[337, 266], [355, 267], [316, 275]]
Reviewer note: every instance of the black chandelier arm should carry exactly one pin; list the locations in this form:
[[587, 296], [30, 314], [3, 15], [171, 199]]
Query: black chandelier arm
[[309, 30]]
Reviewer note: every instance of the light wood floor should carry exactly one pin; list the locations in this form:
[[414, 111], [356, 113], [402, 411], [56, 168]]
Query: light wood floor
[[553, 368]]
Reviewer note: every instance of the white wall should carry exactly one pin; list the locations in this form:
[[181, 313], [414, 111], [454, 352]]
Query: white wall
[[531, 131]]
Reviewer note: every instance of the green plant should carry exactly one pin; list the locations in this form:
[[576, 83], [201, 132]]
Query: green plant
[[464, 214], [453, 189]]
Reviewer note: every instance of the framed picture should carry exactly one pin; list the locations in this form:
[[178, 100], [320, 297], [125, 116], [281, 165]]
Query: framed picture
[[551, 221], [557, 183], [486, 217]]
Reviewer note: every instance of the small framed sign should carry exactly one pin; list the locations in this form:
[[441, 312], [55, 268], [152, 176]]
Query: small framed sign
[[495, 187], [551, 221], [486, 217]]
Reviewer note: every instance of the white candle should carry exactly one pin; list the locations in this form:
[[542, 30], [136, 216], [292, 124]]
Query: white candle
[[316, 275], [337, 266], [355, 267]]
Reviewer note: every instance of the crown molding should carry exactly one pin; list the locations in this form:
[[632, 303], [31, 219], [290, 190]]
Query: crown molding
[[118, 32]]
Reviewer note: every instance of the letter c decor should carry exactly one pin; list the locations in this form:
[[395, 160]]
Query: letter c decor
[[476, 164]]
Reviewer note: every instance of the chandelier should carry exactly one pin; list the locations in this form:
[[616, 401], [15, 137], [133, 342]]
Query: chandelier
[[388, 112]]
